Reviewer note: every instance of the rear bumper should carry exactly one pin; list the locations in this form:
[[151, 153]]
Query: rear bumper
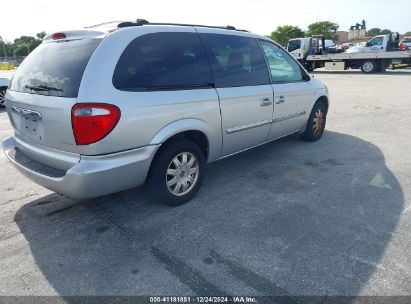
[[92, 176]]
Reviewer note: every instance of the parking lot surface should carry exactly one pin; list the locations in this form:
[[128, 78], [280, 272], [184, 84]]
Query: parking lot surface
[[331, 217]]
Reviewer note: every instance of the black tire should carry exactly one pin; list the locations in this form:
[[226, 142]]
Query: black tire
[[157, 179], [2, 94], [369, 66], [309, 67], [312, 132]]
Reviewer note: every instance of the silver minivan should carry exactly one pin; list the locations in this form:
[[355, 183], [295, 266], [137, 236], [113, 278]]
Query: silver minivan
[[111, 107]]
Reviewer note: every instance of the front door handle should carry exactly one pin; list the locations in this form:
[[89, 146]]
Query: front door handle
[[265, 102], [279, 99]]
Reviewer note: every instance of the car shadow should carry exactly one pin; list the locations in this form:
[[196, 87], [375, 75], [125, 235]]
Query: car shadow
[[286, 218]]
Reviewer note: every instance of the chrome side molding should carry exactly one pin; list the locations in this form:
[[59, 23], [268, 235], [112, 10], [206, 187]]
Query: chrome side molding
[[249, 126], [289, 117], [262, 123]]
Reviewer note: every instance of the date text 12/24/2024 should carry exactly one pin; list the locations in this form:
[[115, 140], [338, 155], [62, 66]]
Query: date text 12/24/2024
[[239, 299]]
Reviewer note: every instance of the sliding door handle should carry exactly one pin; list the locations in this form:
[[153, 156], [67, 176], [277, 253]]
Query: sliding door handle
[[279, 99], [265, 102]]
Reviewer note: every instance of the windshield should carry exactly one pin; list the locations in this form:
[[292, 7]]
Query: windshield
[[329, 43], [54, 68], [376, 41]]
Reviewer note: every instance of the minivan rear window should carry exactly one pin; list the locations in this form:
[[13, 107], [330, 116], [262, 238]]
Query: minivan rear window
[[55, 68], [163, 61]]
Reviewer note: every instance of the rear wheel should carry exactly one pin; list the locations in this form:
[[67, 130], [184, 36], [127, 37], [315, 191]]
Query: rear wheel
[[2, 97], [309, 66], [177, 173], [316, 122], [369, 66]]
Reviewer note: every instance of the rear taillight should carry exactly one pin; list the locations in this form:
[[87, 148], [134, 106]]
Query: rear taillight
[[93, 121]]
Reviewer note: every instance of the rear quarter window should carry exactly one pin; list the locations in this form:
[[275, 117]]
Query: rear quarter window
[[54, 68], [163, 61]]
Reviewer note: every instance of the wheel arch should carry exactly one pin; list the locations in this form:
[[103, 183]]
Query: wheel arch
[[318, 98], [324, 99], [194, 130]]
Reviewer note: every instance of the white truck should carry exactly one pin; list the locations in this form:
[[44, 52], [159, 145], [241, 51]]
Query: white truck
[[374, 56]]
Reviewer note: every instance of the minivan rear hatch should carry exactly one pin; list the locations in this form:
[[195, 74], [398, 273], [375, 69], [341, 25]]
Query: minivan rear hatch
[[45, 87]]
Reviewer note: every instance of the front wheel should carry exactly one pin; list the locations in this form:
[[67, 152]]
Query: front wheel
[[177, 173], [316, 123], [2, 97]]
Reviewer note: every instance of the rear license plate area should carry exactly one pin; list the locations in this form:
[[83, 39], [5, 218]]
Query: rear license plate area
[[29, 126], [27, 123]]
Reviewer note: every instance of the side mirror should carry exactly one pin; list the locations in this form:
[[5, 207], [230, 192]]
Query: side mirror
[[367, 44], [307, 77]]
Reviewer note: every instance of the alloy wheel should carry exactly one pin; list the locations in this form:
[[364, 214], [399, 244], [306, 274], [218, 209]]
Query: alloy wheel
[[368, 67], [182, 173], [318, 120], [2, 98]]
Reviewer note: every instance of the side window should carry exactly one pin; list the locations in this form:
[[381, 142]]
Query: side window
[[294, 45], [235, 60], [282, 67], [376, 41], [163, 61]]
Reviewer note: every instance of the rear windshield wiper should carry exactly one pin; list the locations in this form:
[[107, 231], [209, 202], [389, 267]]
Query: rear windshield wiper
[[42, 87]]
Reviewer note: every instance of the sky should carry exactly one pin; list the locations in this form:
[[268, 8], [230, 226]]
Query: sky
[[28, 17]]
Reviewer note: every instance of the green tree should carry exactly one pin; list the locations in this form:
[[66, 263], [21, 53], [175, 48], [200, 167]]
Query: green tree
[[21, 50], [326, 28], [407, 34], [25, 44], [374, 32], [9, 49], [6, 48], [21, 46], [41, 35], [286, 32], [3, 50], [385, 32]]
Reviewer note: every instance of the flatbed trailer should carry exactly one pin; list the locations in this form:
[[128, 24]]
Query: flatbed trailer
[[360, 56], [310, 51], [368, 62]]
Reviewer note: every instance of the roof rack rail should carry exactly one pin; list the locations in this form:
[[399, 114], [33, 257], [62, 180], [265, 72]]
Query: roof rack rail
[[141, 22], [103, 24]]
